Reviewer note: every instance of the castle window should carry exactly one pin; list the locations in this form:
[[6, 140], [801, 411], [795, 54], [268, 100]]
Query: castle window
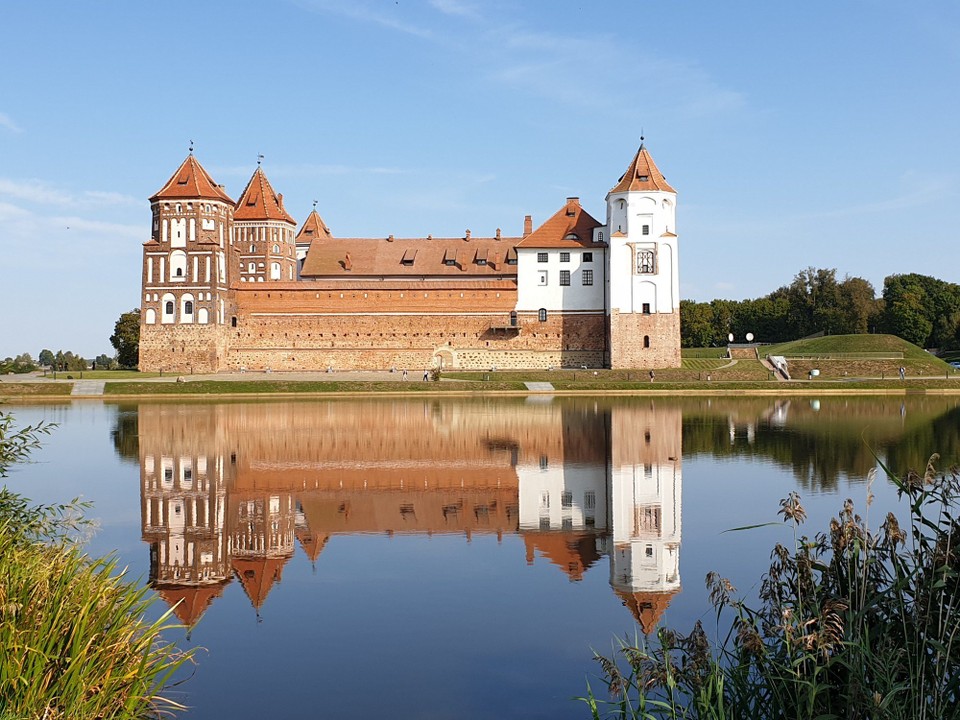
[[644, 178], [179, 207], [151, 316], [188, 308], [542, 315], [541, 277], [566, 499], [564, 257], [646, 341], [275, 271], [251, 267], [541, 257], [645, 308], [564, 277], [600, 236], [589, 500], [646, 230], [276, 248], [587, 277], [233, 321], [253, 248], [646, 262], [588, 257]]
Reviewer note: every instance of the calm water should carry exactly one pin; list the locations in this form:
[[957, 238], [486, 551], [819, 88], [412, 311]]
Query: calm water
[[451, 558]]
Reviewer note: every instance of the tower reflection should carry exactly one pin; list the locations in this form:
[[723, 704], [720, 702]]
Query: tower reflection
[[228, 489]]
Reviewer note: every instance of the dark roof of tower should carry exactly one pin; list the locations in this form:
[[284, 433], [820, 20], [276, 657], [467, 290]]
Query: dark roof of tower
[[571, 226], [190, 182], [259, 201], [642, 174]]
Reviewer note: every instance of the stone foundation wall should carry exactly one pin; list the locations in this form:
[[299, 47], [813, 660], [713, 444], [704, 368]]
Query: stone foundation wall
[[627, 335], [182, 349]]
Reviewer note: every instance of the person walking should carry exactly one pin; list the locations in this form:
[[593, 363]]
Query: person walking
[[426, 375], [404, 373]]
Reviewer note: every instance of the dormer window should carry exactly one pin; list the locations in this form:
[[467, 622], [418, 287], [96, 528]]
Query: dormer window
[[408, 257], [481, 258], [644, 178]]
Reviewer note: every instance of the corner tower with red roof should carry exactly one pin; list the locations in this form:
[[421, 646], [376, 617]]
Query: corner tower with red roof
[[186, 268], [264, 233], [643, 289]]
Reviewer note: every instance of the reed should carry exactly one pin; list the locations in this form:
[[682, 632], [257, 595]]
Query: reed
[[850, 623], [73, 634]]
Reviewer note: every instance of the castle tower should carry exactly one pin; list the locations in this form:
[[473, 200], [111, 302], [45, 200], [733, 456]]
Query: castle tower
[[264, 233], [186, 274], [314, 228], [643, 299]]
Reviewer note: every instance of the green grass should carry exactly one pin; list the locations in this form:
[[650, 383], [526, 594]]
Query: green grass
[[8, 389], [104, 374], [74, 640], [710, 352], [244, 387], [848, 346]]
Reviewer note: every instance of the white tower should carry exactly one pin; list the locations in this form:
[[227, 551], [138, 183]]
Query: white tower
[[643, 298]]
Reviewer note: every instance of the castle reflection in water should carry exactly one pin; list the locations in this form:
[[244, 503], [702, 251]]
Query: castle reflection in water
[[227, 490]]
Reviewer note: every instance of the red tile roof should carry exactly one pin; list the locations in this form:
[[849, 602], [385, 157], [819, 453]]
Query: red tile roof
[[384, 257], [571, 226], [314, 228], [191, 181], [259, 202], [646, 607], [642, 174], [189, 602]]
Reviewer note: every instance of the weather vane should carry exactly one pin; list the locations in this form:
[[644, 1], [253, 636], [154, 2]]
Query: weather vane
[[191, 147], [259, 159], [314, 204]]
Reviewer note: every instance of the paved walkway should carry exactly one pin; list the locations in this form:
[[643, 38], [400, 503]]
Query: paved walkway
[[88, 387], [539, 386]]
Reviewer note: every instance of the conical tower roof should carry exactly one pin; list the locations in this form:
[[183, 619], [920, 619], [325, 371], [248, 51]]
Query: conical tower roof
[[260, 202], [314, 228], [191, 182], [257, 576], [642, 174], [646, 607], [189, 602]]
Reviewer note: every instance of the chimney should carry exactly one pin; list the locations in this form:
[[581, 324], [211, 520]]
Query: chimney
[[467, 236], [280, 200], [527, 225], [498, 233], [430, 236], [348, 263], [390, 239], [572, 204]]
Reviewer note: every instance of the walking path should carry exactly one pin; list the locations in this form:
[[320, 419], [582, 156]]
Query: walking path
[[88, 387], [539, 386]]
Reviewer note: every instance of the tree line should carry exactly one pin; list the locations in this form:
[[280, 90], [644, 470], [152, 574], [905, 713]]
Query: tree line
[[920, 309]]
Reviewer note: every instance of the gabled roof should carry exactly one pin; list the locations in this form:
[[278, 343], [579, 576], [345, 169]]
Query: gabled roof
[[190, 182], [572, 552], [571, 226], [314, 228], [257, 576], [417, 257], [259, 202], [642, 174]]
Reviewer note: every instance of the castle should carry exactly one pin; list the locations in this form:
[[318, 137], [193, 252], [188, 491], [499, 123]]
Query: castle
[[230, 286]]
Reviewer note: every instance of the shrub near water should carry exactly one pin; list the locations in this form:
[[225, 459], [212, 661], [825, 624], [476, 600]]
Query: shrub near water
[[852, 623], [73, 642]]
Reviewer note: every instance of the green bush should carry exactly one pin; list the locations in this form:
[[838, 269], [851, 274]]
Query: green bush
[[72, 631], [852, 623]]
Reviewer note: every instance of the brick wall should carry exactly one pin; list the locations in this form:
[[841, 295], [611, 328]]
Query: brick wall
[[628, 332], [182, 349]]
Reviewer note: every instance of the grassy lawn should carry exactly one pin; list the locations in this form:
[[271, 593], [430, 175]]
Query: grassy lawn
[[104, 374], [215, 387], [9, 389]]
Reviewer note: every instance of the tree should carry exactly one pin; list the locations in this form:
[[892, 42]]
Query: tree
[[696, 324], [126, 339], [46, 358], [104, 362]]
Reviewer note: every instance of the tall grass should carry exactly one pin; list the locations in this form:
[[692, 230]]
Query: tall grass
[[851, 623], [73, 639]]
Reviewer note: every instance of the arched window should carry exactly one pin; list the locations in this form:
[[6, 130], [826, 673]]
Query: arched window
[[151, 316], [275, 271], [251, 267], [168, 307], [203, 316], [188, 308], [276, 248], [178, 264], [542, 315], [646, 341]]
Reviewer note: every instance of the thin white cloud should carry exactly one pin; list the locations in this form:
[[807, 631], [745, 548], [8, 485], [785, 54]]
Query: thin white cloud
[[456, 7], [281, 170], [39, 192], [7, 122], [363, 12]]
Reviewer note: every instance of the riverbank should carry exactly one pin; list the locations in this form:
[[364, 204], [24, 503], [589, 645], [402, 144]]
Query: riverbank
[[34, 387]]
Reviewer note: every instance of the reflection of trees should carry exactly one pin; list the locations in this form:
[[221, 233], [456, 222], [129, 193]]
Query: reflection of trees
[[822, 447], [126, 435]]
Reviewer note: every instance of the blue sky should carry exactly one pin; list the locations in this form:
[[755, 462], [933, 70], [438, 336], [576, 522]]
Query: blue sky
[[817, 134]]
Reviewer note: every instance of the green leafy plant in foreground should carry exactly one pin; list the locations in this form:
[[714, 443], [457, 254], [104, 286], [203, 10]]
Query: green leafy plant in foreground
[[851, 623], [73, 639]]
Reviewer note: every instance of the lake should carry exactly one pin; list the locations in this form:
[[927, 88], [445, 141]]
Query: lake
[[453, 558]]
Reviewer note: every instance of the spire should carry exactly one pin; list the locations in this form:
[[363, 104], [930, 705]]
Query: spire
[[259, 201], [191, 182], [314, 228], [642, 175]]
